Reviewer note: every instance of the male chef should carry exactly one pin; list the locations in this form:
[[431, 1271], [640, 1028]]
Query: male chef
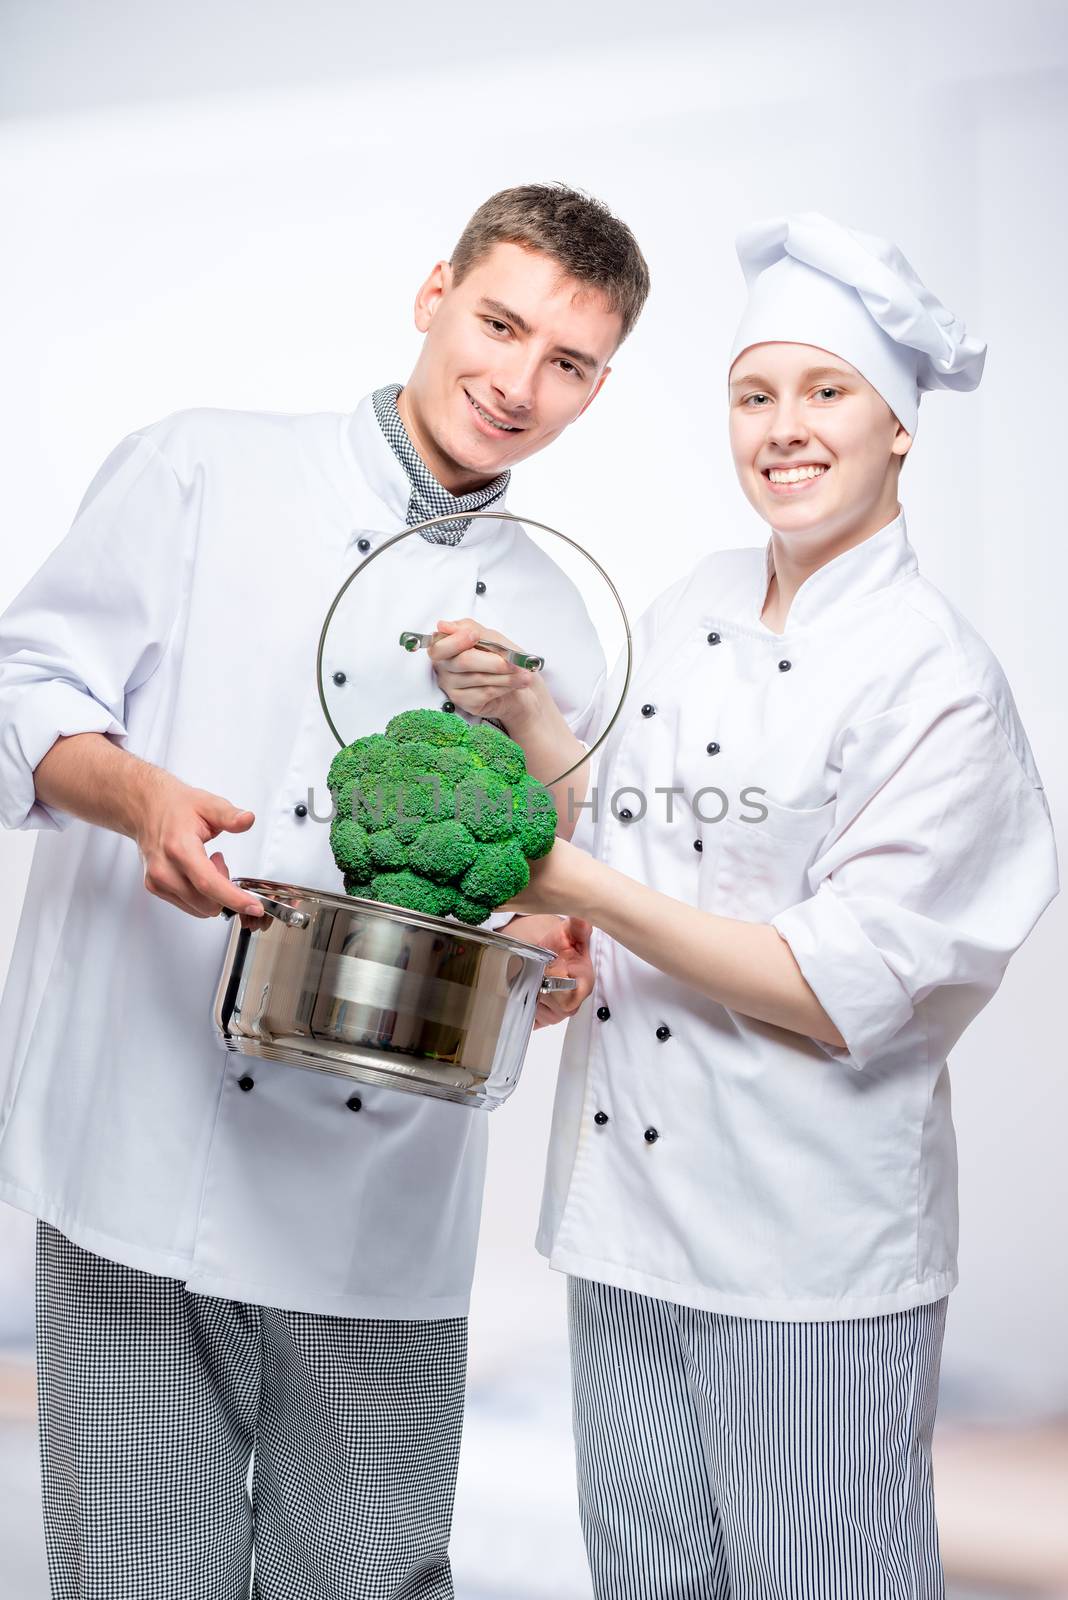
[[752, 1175], [238, 1259]]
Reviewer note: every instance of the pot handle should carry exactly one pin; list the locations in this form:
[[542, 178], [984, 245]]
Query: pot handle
[[289, 916], [548, 985]]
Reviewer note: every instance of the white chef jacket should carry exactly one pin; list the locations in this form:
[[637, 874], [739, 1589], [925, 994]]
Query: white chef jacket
[[181, 617], [906, 853]]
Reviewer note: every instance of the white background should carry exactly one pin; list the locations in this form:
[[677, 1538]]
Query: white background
[[221, 204]]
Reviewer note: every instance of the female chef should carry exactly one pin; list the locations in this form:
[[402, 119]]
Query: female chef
[[819, 834]]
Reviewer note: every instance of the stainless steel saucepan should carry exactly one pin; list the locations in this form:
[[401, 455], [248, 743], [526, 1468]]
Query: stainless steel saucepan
[[380, 994]]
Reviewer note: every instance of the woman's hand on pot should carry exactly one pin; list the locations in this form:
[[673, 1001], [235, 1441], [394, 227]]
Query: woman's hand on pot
[[570, 938], [481, 682]]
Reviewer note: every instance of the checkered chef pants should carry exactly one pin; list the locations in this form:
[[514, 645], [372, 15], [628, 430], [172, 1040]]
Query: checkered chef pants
[[153, 1400], [728, 1458]]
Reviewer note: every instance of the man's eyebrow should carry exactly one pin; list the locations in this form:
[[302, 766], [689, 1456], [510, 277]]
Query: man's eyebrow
[[502, 311], [496, 308]]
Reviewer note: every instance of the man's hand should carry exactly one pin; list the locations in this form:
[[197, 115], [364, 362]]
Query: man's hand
[[89, 776], [174, 822], [570, 938], [481, 682]]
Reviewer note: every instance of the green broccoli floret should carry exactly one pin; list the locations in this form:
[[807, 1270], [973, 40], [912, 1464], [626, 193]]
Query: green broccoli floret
[[408, 889], [435, 727], [403, 804], [437, 816], [453, 762], [535, 819], [443, 851], [373, 754], [418, 757], [484, 803], [351, 846], [466, 910], [499, 871], [386, 851], [496, 751]]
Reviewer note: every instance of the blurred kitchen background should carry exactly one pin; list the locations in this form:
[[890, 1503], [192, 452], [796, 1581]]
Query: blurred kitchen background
[[231, 203]]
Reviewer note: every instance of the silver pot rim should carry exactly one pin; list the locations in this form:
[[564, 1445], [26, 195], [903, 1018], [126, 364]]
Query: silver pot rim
[[391, 913]]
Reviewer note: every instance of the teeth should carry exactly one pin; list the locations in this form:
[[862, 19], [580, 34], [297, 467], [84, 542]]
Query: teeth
[[503, 426], [794, 474]]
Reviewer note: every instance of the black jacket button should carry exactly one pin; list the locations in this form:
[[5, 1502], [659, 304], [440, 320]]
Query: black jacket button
[[354, 1103], [713, 638], [663, 1032], [699, 845], [600, 1117], [339, 678], [480, 587], [651, 1136], [447, 705], [363, 545], [300, 809], [648, 711], [625, 815], [784, 666], [246, 1083], [713, 748], [603, 1013]]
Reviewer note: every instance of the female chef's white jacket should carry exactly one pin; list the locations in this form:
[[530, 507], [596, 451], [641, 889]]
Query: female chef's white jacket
[[181, 616], [719, 1162]]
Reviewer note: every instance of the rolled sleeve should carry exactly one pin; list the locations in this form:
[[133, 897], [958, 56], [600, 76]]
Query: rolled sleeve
[[941, 860], [848, 974], [92, 625], [47, 710]]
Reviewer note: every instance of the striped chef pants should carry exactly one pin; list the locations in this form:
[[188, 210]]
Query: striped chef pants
[[152, 1400], [726, 1458]]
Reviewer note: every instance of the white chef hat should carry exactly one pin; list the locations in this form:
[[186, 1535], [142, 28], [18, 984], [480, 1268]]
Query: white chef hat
[[812, 281]]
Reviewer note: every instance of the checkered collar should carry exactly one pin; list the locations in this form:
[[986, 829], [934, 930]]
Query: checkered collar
[[428, 498]]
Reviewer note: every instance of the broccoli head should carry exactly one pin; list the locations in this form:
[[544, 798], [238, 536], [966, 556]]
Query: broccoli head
[[437, 816]]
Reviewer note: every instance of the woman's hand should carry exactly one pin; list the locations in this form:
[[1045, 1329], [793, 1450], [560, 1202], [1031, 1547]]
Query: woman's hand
[[481, 682], [570, 938]]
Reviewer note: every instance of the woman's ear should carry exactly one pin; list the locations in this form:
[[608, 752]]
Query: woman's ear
[[902, 442]]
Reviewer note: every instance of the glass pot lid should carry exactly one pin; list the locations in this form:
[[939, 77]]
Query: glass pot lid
[[554, 628]]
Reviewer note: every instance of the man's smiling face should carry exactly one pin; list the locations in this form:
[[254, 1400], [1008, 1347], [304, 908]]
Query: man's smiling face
[[513, 353], [816, 448]]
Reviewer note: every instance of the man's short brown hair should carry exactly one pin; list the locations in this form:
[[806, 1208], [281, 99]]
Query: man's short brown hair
[[578, 231]]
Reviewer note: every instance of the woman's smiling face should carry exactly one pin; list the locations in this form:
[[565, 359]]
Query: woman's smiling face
[[817, 450]]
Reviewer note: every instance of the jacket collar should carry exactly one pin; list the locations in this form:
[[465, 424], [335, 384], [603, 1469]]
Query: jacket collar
[[389, 482], [879, 561]]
